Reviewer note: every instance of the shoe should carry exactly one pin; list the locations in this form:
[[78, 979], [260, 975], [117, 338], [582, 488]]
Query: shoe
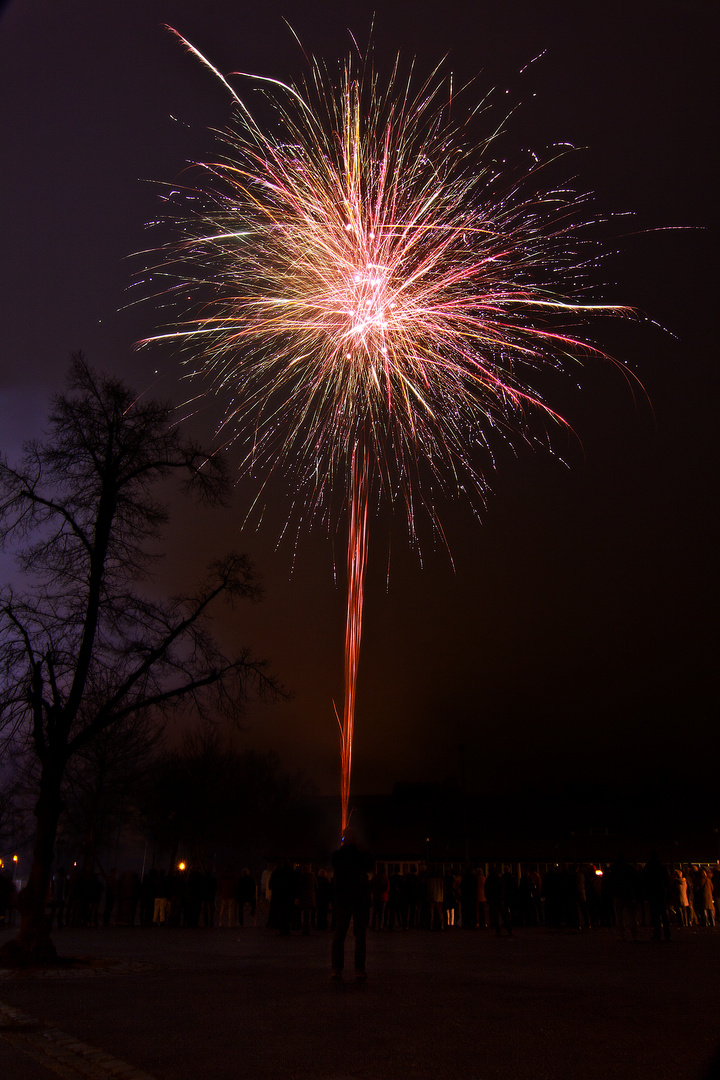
[[360, 976]]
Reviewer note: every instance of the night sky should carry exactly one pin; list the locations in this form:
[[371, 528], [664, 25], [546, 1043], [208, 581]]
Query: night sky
[[575, 635]]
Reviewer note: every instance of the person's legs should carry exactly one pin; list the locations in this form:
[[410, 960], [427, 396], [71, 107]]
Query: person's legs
[[337, 951], [359, 930]]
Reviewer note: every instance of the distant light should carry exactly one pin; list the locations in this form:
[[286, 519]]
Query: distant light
[[598, 873], [15, 858], [181, 866]]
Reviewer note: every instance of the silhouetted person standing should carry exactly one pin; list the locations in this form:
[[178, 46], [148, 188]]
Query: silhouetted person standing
[[324, 899], [412, 893], [498, 893], [308, 899], [396, 912], [284, 889], [656, 887], [707, 904], [193, 897], [379, 895], [246, 896], [469, 899], [623, 888], [208, 898], [351, 866]]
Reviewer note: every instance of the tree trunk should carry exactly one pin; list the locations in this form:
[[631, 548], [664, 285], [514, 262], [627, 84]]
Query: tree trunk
[[33, 945]]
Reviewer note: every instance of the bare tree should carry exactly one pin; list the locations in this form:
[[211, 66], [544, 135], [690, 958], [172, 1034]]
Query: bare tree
[[82, 650]]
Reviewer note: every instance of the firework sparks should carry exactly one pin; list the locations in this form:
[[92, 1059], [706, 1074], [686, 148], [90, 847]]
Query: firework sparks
[[376, 299]]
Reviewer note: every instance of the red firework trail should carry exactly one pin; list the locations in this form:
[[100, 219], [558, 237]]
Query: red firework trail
[[356, 566]]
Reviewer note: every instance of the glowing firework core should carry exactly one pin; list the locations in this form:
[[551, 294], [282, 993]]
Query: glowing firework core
[[375, 300]]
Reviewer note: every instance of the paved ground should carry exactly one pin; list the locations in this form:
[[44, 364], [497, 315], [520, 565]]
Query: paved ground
[[165, 1004]]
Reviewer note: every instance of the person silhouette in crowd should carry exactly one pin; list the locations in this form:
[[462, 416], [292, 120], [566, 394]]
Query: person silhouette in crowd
[[508, 898], [705, 894], [679, 898], [351, 865], [380, 894], [396, 910], [178, 884], [500, 892], [194, 896], [284, 893], [450, 896], [324, 899], [128, 897], [412, 897], [690, 890], [482, 908], [624, 891], [582, 908], [435, 885], [656, 889], [246, 896], [227, 895], [469, 899], [161, 908], [308, 899], [209, 891]]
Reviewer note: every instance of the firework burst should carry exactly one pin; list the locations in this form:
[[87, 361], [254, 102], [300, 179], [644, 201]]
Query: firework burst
[[375, 298]]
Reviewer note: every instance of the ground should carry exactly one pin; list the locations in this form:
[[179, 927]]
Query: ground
[[170, 1004]]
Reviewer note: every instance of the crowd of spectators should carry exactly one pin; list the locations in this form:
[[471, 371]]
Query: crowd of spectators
[[565, 895], [407, 896]]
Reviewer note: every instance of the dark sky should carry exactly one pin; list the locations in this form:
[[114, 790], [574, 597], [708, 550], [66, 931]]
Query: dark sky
[[576, 635]]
